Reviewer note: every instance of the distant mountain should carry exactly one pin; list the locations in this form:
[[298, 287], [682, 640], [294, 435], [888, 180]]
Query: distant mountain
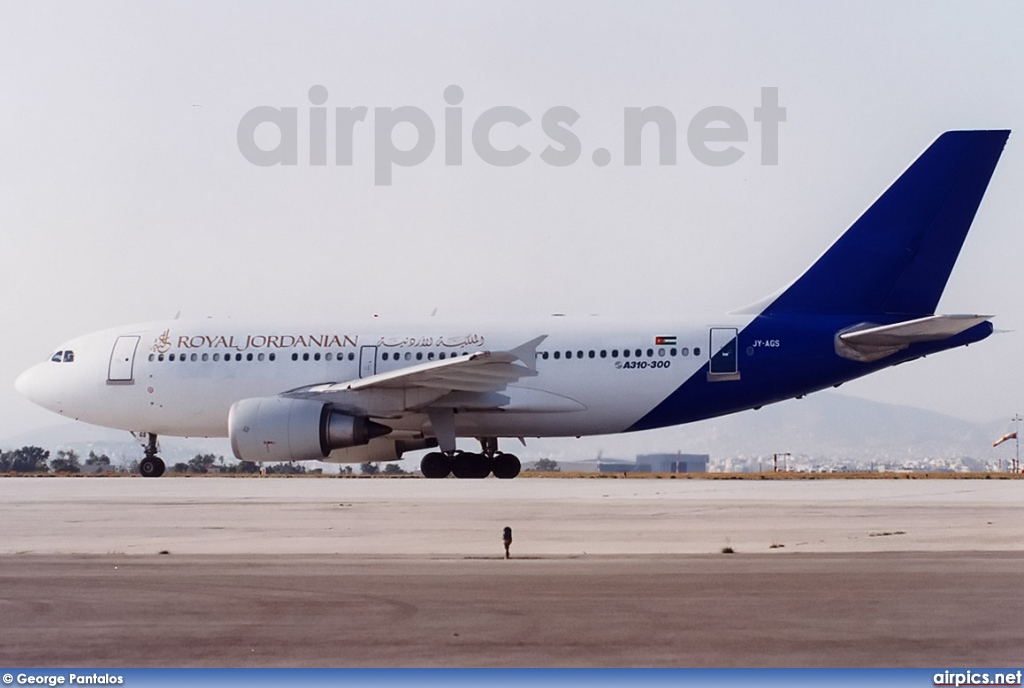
[[825, 426]]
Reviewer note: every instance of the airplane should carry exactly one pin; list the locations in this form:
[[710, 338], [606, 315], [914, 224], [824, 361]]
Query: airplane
[[348, 391]]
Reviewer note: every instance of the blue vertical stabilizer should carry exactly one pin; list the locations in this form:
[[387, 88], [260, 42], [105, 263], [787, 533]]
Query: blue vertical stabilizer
[[897, 257]]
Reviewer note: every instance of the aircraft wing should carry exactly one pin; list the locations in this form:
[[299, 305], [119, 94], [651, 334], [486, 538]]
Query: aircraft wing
[[870, 343], [480, 372]]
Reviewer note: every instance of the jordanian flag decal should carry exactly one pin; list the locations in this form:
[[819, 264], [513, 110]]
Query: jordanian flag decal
[[664, 341]]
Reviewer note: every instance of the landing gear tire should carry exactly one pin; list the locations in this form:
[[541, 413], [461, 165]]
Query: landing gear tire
[[152, 467], [506, 466], [435, 465], [471, 466]]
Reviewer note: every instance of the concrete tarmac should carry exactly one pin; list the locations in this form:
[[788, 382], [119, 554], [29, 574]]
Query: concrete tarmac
[[302, 572]]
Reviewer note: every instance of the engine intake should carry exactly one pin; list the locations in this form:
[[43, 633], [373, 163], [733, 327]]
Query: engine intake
[[286, 429]]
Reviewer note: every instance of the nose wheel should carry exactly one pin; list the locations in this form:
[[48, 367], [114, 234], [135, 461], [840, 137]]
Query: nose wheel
[[151, 466]]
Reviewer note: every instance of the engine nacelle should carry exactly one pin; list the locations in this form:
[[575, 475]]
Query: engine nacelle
[[286, 429]]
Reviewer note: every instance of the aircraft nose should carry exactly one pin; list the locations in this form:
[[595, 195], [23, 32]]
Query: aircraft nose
[[24, 383], [32, 385]]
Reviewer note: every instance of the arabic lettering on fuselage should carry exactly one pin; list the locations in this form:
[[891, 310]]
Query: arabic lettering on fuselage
[[460, 342]]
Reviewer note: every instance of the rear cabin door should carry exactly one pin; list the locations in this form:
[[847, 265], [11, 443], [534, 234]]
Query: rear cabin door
[[724, 363], [122, 359]]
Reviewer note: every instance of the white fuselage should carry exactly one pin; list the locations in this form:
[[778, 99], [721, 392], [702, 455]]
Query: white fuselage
[[181, 377]]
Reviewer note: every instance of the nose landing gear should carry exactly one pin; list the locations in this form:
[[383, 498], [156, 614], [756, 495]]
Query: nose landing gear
[[151, 466]]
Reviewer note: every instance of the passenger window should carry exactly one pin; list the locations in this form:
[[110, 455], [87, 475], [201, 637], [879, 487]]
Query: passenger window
[[615, 353], [604, 353], [579, 354], [316, 356], [248, 357], [650, 353], [672, 352], [558, 355], [430, 355], [216, 357], [408, 356], [684, 351], [259, 357], [544, 355], [384, 356], [273, 356], [305, 357], [696, 351], [639, 353], [160, 357], [171, 357], [206, 357], [661, 352], [591, 353], [351, 357], [419, 355], [625, 353], [194, 357], [152, 357]]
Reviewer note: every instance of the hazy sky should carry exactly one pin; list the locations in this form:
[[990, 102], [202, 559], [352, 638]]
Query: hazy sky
[[124, 196]]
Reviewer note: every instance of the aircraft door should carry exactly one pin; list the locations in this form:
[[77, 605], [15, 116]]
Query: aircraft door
[[724, 363], [122, 359], [367, 361]]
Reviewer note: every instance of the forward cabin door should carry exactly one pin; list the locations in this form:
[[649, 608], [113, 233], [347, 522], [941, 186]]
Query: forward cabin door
[[367, 361], [122, 360]]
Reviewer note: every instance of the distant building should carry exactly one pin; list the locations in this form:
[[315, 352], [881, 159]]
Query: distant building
[[644, 463], [672, 463]]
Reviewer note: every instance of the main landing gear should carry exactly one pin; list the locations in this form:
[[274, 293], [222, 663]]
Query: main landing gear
[[469, 465], [151, 466]]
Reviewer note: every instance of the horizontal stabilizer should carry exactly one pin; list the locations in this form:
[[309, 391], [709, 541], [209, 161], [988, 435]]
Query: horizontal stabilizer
[[872, 342]]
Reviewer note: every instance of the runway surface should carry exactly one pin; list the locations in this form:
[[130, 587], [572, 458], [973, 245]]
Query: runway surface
[[301, 572]]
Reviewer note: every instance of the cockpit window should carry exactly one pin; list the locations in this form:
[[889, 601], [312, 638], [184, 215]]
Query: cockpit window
[[57, 357], [69, 356]]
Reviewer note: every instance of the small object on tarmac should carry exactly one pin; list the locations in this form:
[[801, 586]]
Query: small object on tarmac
[[506, 537]]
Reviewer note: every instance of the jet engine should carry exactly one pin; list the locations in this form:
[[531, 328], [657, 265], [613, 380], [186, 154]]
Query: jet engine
[[286, 429]]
